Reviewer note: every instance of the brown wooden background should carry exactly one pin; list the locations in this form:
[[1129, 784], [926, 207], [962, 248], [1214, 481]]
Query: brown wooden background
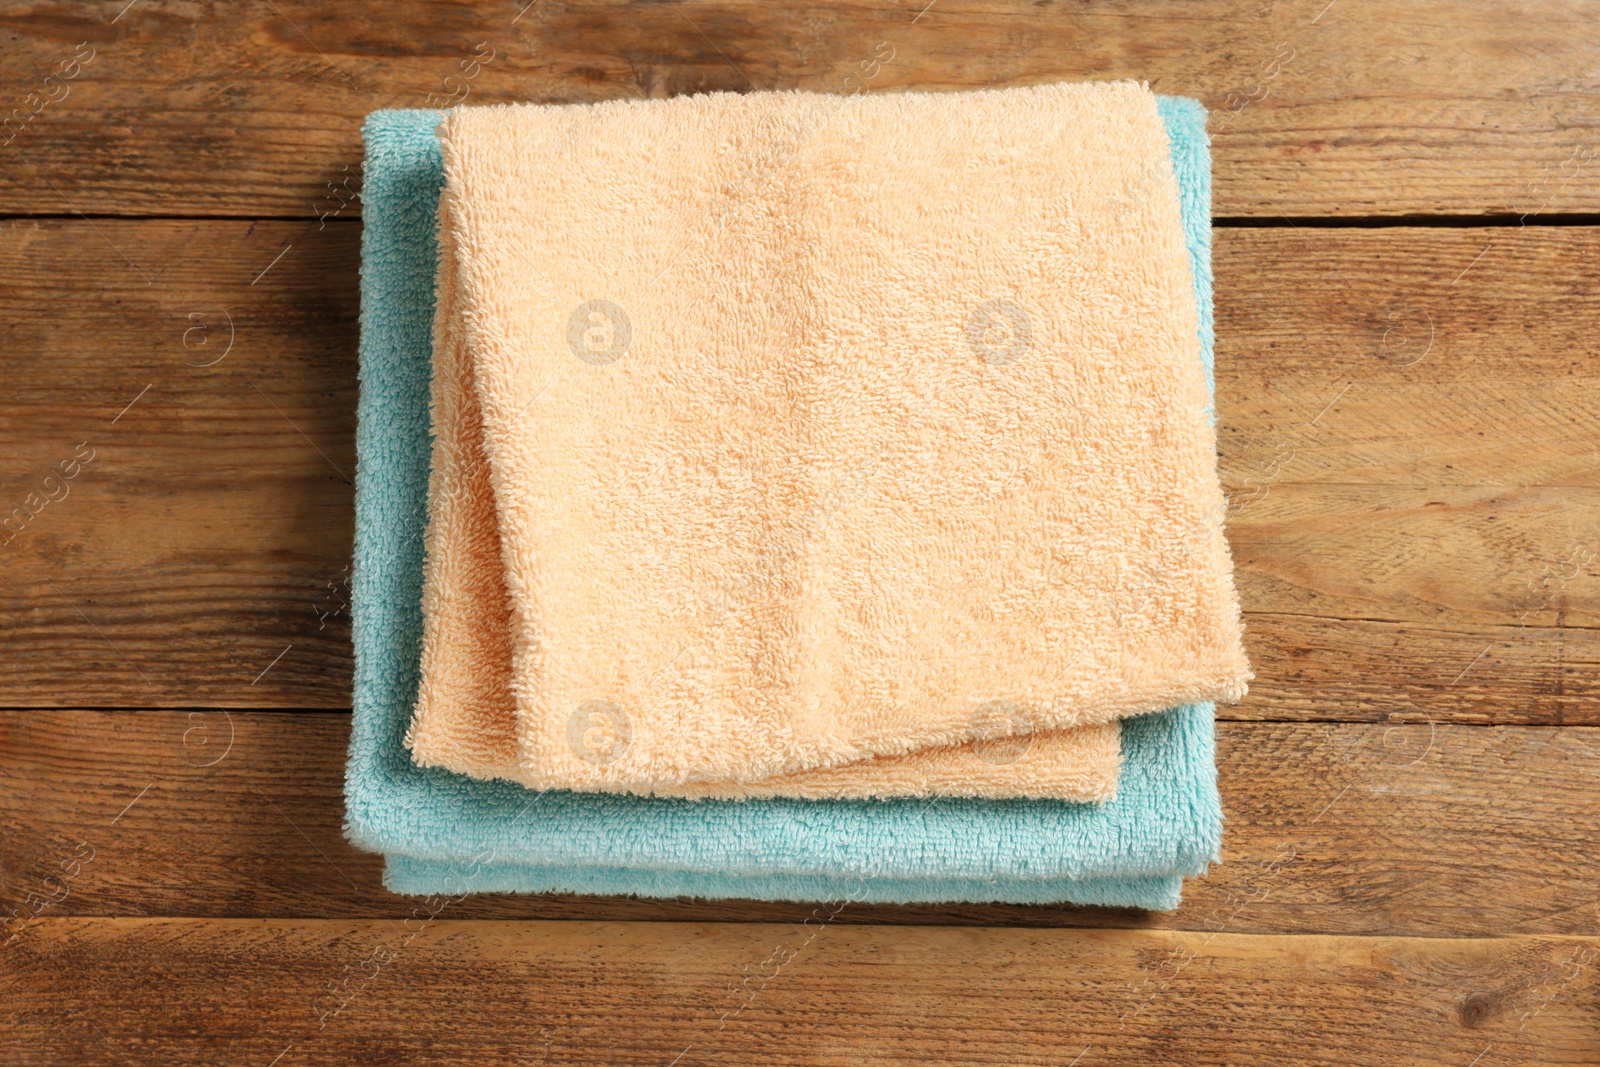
[[1408, 203]]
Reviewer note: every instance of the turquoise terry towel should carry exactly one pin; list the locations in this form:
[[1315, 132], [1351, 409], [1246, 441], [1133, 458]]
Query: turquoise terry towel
[[1165, 822], [414, 877]]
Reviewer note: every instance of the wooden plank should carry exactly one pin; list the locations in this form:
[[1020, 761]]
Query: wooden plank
[[346, 991], [204, 548], [1353, 108], [1413, 511], [1406, 430], [239, 815]]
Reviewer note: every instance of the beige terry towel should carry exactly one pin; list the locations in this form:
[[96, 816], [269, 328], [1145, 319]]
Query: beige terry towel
[[816, 427], [466, 716]]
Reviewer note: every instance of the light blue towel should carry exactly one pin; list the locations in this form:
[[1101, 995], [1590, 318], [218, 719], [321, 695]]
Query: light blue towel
[[448, 833], [403, 874]]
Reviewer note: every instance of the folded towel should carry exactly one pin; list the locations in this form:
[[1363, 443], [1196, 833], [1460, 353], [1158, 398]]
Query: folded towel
[[414, 877], [466, 717], [690, 556], [1164, 823]]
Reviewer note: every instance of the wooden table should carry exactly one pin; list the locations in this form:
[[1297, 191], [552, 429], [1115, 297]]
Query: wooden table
[[1407, 206]]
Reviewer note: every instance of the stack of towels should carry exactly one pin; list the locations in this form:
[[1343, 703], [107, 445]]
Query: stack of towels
[[791, 496]]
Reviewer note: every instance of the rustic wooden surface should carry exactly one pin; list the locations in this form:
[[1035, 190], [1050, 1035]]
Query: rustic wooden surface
[[322, 991], [232, 814], [1408, 399], [1325, 107]]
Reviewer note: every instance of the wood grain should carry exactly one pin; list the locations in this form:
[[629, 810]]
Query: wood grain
[[438, 990], [1361, 107], [1414, 514], [205, 548], [239, 815], [1406, 431]]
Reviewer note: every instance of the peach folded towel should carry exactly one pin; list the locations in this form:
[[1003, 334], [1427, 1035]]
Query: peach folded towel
[[788, 444]]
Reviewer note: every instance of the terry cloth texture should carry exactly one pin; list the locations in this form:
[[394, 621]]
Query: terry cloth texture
[[903, 436], [1165, 822], [414, 877], [466, 717]]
